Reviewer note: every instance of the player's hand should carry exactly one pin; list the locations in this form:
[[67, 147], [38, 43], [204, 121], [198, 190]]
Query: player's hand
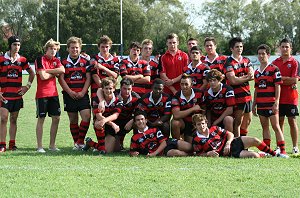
[[1, 97], [197, 108], [226, 149], [23, 90], [275, 108], [169, 82], [72, 94], [98, 66], [212, 153], [101, 106], [151, 154], [79, 95], [134, 154], [116, 128], [128, 126]]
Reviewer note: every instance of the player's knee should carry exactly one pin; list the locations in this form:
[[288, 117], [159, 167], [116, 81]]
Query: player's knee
[[4, 118]]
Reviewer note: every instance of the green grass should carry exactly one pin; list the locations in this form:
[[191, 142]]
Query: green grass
[[25, 173]]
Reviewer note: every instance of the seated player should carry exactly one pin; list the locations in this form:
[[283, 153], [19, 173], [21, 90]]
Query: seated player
[[215, 142], [103, 120], [185, 103], [157, 105], [151, 141], [220, 101]]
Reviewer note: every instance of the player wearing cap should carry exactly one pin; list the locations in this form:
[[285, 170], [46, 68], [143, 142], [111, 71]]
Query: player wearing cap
[[11, 90]]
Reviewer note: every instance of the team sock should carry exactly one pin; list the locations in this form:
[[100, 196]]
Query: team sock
[[243, 132], [281, 145], [83, 128], [265, 148], [12, 143], [74, 128], [100, 134], [268, 142]]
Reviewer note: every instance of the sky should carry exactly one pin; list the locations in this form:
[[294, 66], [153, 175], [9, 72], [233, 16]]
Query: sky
[[197, 5]]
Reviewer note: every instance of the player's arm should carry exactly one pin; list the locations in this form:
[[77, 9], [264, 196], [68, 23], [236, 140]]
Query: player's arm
[[44, 75], [144, 79], [96, 79], [25, 88], [228, 111], [275, 107], [56, 71], [160, 148], [234, 80], [177, 114], [228, 143], [65, 86], [289, 80], [86, 85], [107, 70], [254, 103]]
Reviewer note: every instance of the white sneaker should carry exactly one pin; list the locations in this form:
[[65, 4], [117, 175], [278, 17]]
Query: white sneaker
[[78, 147], [277, 150], [40, 150], [54, 149], [295, 150], [283, 155]]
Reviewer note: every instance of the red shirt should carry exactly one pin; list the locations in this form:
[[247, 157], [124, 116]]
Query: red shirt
[[172, 66], [46, 88], [288, 93], [11, 75]]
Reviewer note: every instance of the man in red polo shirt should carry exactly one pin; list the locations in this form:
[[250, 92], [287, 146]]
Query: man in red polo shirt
[[47, 68], [288, 101], [173, 62]]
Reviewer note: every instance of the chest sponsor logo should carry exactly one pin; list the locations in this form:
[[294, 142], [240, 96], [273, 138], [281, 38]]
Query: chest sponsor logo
[[76, 76], [262, 84], [12, 73]]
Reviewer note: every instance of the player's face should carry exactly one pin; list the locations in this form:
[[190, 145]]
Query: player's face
[[172, 44], [108, 90], [104, 48], [195, 55], [210, 48], [147, 50], [51, 51], [201, 126], [135, 52], [15, 47], [186, 85], [285, 49], [237, 49], [263, 57], [191, 44], [140, 122], [214, 83], [74, 50], [126, 91], [157, 89]]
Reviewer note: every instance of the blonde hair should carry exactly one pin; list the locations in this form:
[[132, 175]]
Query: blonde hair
[[106, 81], [74, 39], [105, 40], [51, 43], [147, 42], [198, 118]]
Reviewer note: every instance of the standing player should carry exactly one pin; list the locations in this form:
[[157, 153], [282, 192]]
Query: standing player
[[266, 96], [196, 69], [289, 69], [185, 103], [172, 64], [239, 72], [220, 101], [191, 43], [157, 106], [48, 67], [136, 69], [75, 83], [11, 90]]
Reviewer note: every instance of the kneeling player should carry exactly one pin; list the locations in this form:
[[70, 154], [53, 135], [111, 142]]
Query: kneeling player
[[215, 142], [151, 141]]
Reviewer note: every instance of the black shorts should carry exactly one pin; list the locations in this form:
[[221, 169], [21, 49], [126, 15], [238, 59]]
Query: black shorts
[[237, 146], [13, 105], [288, 110], [265, 112], [121, 124], [188, 129], [71, 105], [109, 130], [246, 107], [48, 105], [171, 144]]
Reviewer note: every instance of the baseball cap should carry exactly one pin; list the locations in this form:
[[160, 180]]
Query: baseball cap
[[13, 39]]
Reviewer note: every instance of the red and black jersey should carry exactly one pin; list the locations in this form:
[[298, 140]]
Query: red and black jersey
[[147, 141], [155, 71], [216, 140], [127, 67], [114, 106], [129, 106], [75, 73], [11, 75], [265, 86], [217, 102], [217, 63], [112, 63], [198, 73], [240, 68], [155, 110], [180, 101]]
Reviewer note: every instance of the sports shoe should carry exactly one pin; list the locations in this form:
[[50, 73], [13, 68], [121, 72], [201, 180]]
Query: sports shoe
[[2, 149], [102, 152], [283, 155], [78, 147], [263, 154], [277, 150], [87, 146], [295, 150], [13, 148], [54, 149], [40, 150]]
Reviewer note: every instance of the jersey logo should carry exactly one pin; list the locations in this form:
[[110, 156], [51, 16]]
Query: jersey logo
[[6, 63], [54, 64], [76, 76], [229, 94], [278, 75], [12, 73], [262, 84]]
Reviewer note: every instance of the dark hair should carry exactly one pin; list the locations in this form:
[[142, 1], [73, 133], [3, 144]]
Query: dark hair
[[135, 44], [171, 36], [139, 112], [212, 39], [192, 39], [158, 81], [265, 47], [197, 48], [214, 74], [286, 40], [126, 81], [235, 40], [186, 76]]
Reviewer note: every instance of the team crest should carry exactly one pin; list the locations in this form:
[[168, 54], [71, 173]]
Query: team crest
[[129, 65], [195, 100], [6, 63], [68, 65], [19, 63], [81, 64], [179, 58], [289, 65], [140, 65], [54, 64], [293, 111]]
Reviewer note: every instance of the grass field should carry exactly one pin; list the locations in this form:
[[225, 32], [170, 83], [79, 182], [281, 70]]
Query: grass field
[[25, 173]]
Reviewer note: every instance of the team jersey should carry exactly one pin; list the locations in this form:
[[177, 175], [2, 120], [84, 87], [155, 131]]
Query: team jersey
[[265, 86], [179, 101], [147, 141], [198, 73], [75, 73], [172, 66], [11, 75], [114, 106], [217, 63], [129, 106], [217, 102], [155, 70], [128, 67], [240, 68], [290, 68], [112, 63], [46, 88], [155, 110], [215, 140]]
